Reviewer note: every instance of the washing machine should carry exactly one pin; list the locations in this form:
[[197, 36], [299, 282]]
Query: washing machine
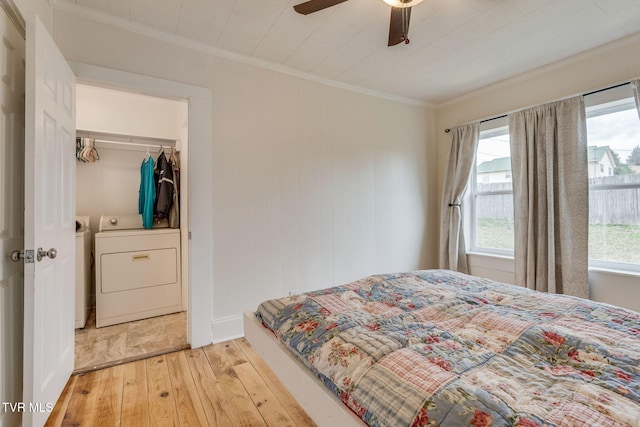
[[137, 271], [83, 271]]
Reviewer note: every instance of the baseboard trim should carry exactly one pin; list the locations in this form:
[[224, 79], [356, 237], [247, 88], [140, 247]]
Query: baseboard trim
[[227, 328]]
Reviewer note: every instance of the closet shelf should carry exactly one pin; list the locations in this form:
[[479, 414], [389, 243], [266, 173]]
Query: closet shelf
[[127, 142]]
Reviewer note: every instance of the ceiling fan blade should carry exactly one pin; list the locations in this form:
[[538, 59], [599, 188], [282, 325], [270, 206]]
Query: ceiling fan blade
[[399, 25], [315, 5]]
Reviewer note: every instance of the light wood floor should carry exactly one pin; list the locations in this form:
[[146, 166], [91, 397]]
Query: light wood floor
[[224, 384]]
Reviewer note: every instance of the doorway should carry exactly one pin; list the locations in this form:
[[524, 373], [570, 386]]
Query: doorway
[[29, 359], [129, 303], [198, 274]]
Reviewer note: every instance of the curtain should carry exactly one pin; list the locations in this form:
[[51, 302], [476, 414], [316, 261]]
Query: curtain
[[551, 197], [635, 85], [461, 157]]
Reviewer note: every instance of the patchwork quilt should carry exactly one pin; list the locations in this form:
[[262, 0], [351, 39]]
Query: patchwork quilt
[[439, 348]]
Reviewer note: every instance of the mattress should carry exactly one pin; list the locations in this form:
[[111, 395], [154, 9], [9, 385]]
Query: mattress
[[436, 347]]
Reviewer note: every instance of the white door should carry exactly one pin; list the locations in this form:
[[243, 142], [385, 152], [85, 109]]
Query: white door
[[11, 204], [49, 223]]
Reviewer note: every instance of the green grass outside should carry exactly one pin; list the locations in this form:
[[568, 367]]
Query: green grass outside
[[620, 243]]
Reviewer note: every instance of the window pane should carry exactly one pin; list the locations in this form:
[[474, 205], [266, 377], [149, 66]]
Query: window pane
[[613, 132], [494, 221], [493, 162], [492, 192], [614, 232]]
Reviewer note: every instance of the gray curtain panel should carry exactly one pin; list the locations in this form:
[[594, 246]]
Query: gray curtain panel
[[551, 197], [453, 254], [635, 85]]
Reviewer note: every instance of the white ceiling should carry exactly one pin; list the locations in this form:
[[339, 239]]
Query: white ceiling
[[456, 45]]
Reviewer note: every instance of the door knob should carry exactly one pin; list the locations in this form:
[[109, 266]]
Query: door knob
[[51, 253], [17, 255]]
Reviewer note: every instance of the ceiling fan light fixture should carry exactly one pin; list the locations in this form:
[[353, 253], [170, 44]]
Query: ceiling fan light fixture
[[402, 3]]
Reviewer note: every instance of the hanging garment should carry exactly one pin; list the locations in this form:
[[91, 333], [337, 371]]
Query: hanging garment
[[164, 187], [147, 195], [174, 211]]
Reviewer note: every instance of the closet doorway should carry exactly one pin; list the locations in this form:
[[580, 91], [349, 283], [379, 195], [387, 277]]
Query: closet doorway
[[136, 284]]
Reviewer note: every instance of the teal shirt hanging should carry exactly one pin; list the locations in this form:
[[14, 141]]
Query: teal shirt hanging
[[147, 195]]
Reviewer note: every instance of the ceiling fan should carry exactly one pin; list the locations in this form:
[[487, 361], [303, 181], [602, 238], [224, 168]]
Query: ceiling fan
[[400, 14]]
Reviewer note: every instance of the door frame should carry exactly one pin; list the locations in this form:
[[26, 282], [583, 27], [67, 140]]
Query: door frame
[[200, 175]]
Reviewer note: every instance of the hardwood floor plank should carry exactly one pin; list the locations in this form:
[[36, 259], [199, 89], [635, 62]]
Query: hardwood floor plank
[[271, 409], [162, 407], [190, 410], [82, 406], [135, 395], [234, 355], [209, 389], [225, 384], [297, 414], [60, 409], [109, 399], [234, 393]]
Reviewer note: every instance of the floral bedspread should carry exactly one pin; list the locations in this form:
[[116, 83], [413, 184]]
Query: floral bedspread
[[439, 348]]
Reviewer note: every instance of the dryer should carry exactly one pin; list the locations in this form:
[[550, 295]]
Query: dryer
[[83, 271], [137, 271]]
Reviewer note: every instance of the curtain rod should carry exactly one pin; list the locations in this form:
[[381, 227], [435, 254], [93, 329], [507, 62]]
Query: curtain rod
[[606, 88], [447, 130]]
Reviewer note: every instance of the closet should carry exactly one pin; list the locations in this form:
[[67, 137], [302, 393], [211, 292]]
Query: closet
[[135, 304]]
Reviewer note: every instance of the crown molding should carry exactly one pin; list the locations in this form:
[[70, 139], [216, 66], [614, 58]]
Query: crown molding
[[14, 14], [68, 6]]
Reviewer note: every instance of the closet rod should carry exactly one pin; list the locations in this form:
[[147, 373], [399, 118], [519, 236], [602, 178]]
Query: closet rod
[[135, 144]]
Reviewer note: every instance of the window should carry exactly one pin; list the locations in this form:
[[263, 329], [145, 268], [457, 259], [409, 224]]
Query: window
[[613, 131], [613, 139], [491, 194]]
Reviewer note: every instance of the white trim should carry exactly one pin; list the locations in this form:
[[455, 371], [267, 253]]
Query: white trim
[[13, 12], [488, 129], [200, 154], [87, 13], [610, 270], [617, 267], [226, 328]]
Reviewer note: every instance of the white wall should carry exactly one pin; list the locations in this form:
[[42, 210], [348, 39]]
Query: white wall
[[613, 63], [313, 185], [115, 111]]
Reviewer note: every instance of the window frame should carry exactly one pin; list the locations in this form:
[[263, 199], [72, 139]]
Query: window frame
[[594, 106], [592, 101], [488, 129]]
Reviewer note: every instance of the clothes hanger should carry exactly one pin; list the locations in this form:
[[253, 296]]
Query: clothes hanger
[[93, 152], [79, 147], [172, 156], [85, 150]]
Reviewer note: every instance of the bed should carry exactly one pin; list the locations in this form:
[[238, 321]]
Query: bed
[[437, 347]]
